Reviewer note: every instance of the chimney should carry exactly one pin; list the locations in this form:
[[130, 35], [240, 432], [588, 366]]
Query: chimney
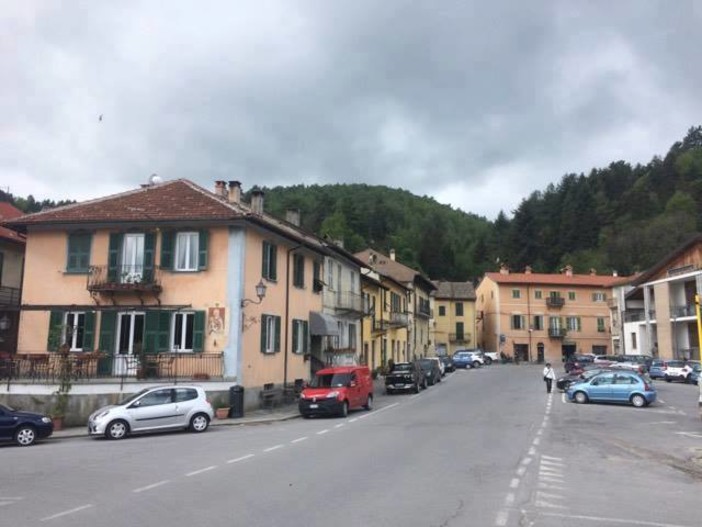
[[593, 271], [504, 269], [527, 269], [614, 273], [293, 216], [568, 270], [234, 195], [339, 243], [257, 201], [220, 188], [392, 254]]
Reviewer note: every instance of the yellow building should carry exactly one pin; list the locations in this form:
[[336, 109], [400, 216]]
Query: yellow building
[[544, 317], [454, 317]]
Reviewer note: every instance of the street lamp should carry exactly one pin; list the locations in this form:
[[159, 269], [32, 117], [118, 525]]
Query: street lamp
[[260, 292]]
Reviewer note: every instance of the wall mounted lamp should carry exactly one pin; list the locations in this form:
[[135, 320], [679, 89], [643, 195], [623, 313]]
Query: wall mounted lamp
[[260, 293]]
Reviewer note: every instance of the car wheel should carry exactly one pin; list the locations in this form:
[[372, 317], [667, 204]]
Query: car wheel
[[488, 361], [345, 409], [476, 364], [117, 430], [638, 400], [369, 403], [580, 397], [199, 423], [25, 435]]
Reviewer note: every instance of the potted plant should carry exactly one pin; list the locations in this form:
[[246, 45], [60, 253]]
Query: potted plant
[[221, 408]]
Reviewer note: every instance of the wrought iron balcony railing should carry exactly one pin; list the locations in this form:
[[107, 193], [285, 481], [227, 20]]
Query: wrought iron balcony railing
[[687, 310], [555, 301], [459, 337], [399, 319], [102, 278], [557, 333], [10, 296]]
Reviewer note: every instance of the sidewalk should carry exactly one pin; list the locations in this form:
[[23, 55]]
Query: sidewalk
[[254, 417]]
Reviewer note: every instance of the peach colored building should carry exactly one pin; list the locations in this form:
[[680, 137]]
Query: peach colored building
[[544, 317], [173, 281]]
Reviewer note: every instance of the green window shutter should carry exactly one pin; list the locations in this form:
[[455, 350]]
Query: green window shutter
[[163, 343], [578, 322], [89, 331], [295, 336], [167, 242], [264, 260], [274, 262], [115, 248], [149, 247], [55, 330], [151, 331], [276, 346], [264, 332], [199, 331], [108, 323], [202, 250], [72, 260], [306, 337]]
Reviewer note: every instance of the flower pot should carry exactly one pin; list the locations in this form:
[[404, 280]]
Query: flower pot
[[222, 413], [58, 423]]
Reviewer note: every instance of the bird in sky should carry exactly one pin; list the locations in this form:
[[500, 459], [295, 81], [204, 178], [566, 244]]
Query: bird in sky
[[100, 118]]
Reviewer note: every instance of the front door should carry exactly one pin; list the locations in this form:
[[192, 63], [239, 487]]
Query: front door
[[130, 341]]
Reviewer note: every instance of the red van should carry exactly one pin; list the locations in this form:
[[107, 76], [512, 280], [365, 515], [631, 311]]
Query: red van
[[336, 390]]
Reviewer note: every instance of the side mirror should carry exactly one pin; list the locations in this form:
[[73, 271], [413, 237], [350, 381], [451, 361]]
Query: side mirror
[[135, 404], [353, 384]]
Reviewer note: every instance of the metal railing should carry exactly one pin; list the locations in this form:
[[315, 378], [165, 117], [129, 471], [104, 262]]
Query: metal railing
[[555, 301], [459, 337], [687, 310], [348, 301], [399, 319], [557, 333], [123, 278], [10, 296]]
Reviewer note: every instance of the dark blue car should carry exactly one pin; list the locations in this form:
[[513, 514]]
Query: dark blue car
[[24, 428]]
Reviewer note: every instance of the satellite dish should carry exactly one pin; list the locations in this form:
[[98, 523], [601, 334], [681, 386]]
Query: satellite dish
[[154, 179]]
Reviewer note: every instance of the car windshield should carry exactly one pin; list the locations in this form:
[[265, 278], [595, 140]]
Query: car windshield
[[405, 366], [133, 397], [426, 363], [330, 380]]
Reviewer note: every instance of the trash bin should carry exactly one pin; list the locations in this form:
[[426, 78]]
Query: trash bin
[[236, 401]]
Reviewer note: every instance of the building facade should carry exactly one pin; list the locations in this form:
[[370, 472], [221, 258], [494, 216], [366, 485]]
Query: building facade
[[454, 317]]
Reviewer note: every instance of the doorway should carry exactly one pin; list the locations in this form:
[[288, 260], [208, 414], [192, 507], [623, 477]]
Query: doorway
[[130, 343], [540, 353]]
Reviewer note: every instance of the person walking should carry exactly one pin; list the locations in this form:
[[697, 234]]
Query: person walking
[[549, 376]]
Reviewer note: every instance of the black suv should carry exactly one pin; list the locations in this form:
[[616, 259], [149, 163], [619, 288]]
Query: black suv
[[405, 376]]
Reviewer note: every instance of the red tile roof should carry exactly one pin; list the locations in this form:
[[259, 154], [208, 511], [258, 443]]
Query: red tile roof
[[392, 268], [585, 280], [8, 212]]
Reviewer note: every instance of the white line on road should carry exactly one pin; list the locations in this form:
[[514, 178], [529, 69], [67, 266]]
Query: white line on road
[[271, 449], [65, 513], [364, 416], [509, 499], [526, 461], [353, 420], [339, 425], [536, 441], [514, 483], [152, 486], [521, 471], [322, 431], [501, 519], [563, 398], [393, 405], [242, 458], [298, 439], [551, 458], [689, 434], [610, 521], [532, 451], [196, 472]]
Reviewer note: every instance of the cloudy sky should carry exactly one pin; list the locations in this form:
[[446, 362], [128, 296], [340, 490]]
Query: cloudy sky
[[474, 103]]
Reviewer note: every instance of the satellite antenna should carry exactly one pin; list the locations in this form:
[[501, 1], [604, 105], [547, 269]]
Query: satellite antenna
[[155, 179]]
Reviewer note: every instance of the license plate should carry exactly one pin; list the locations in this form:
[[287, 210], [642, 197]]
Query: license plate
[[314, 406]]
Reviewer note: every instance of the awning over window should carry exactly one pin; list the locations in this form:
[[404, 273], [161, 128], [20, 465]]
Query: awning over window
[[323, 324]]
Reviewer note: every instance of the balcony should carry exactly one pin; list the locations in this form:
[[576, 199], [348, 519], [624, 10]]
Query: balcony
[[557, 333], [424, 311], [687, 310], [349, 302], [379, 325], [123, 278], [555, 301], [459, 338], [398, 320], [9, 296], [638, 315]]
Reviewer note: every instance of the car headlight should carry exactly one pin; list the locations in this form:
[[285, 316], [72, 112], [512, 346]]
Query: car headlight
[[46, 420], [332, 395], [102, 414]]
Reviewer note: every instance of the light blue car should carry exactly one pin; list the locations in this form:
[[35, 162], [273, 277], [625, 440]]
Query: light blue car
[[614, 387]]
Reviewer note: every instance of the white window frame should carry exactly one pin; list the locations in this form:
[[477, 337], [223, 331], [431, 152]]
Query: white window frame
[[269, 321], [179, 346], [188, 246], [71, 324]]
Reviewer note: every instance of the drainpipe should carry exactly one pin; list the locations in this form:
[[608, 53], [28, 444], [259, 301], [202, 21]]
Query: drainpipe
[[287, 314]]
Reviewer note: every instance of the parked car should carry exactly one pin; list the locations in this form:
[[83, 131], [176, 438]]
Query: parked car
[[440, 363], [657, 369], [578, 362], [680, 370], [154, 409], [645, 360], [431, 370], [24, 428], [613, 386], [564, 382], [448, 363], [336, 391], [405, 376], [467, 359]]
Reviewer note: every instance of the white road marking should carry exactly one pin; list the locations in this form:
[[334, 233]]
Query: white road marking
[[551, 479], [271, 449], [364, 416], [242, 458], [514, 483], [6, 500], [501, 519], [536, 441], [152, 486], [526, 461], [610, 521], [66, 513], [196, 472], [549, 464], [547, 505], [339, 425], [564, 400], [543, 485], [662, 423], [322, 431], [298, 439], [393, 405], [509, 499], [415, 395], [689, 434], [544, 456], [353, 420], [532, 451], [521, 471]]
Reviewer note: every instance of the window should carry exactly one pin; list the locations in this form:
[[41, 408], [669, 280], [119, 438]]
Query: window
[[270, 263], [298, 270], [317, 284], [300, 331], [330, 276], [600, 324], [633, 341], [352, 336], [573, 323], [571, 295], [442, 311], [187, 250], [395, 303], [78, 259], [459, 309], [538, 322], [599, 350], [183, 332], [599, 296], [517, 321], [74, 331], [538, 294], [270, 334], [459, 331], [516, 293]]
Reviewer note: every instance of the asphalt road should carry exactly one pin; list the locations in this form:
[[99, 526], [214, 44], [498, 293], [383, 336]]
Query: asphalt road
[[485, 447]]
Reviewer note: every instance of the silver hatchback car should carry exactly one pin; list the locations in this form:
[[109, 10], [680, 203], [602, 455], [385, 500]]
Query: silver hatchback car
[[153, 410]]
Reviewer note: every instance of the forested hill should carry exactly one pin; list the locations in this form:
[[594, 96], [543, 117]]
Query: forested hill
[[620, 218]]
